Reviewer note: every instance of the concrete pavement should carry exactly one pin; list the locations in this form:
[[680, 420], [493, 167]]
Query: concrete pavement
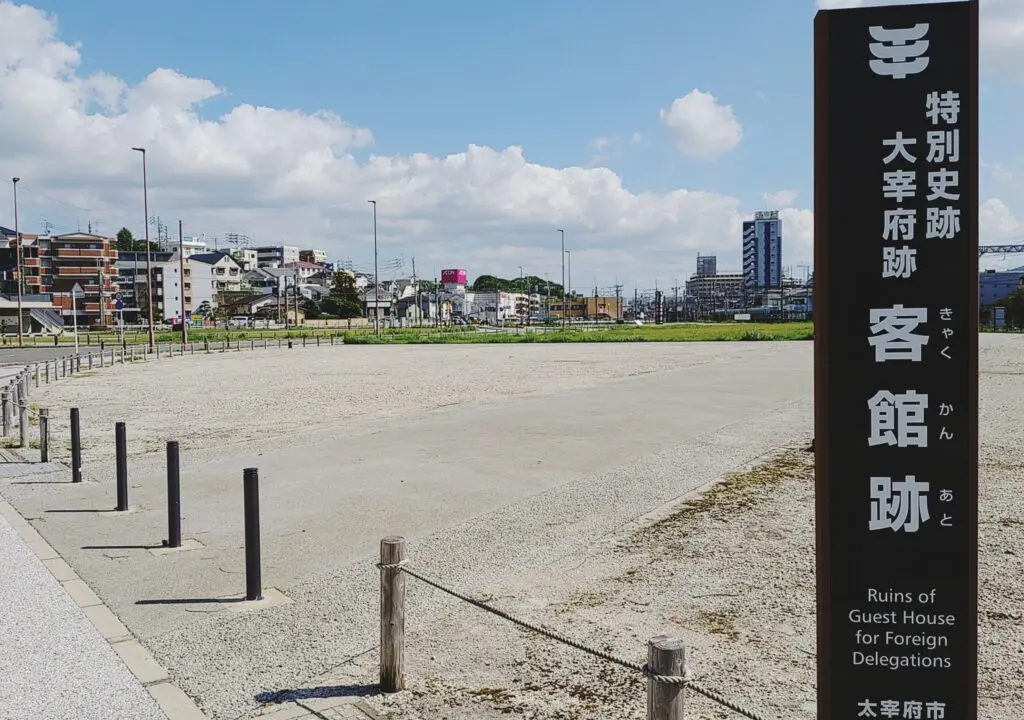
[[55, 664]]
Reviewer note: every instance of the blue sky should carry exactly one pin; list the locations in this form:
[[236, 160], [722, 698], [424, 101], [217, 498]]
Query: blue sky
[[573, 83], [549, 76]]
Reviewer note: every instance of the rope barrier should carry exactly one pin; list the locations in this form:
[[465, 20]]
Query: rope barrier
[[683, 680]]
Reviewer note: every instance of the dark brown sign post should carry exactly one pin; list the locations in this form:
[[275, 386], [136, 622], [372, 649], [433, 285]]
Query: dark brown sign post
[[896, 360]]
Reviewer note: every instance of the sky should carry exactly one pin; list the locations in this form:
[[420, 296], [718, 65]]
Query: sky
[[648, 130]]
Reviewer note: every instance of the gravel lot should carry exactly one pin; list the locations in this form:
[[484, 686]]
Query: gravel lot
[[238, 397], [732, 574]]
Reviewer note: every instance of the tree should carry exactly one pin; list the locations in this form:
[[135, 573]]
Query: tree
[[343, 302], [125, 239], [428, 286], [1014, 304], [312, 309], [529, 283]]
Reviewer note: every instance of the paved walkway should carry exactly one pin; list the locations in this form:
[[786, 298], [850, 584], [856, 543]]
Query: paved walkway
[[66, 655], [55, 663]]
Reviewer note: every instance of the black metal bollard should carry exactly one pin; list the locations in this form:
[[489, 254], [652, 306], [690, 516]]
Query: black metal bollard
[[103, 345], [251, 494], [121, 443], [76, 448], [173, 495], [44, 435], [289, 344]]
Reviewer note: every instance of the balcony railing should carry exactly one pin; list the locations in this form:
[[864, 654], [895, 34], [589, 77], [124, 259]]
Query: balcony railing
[[73, 271], [64, 252]]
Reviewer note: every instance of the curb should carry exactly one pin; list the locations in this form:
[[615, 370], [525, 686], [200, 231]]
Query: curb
[[171, 699]]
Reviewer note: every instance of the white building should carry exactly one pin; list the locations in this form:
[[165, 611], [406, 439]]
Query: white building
[[315, 256], [212, 273], [247, 258], [276, 255], [304, 270], [192, 246]]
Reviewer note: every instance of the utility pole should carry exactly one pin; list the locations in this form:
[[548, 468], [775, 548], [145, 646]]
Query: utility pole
[[21, 270], [103, 315], [675, 303], [376, 282], [562, 232], [149, 252], [618, 301], [636, 302], [547, 306], [416, 287], [522, 291], [181, 284]]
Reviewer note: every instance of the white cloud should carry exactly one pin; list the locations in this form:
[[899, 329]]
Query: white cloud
[[779, 198], [284, 175], [636, 138], [701, 126]]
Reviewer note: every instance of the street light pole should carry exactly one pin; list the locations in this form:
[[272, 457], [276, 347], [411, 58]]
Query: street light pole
[[181, 285], [568, 289], [17, 239], [149, 253], [522, 287], [376, 282], [562, 233]]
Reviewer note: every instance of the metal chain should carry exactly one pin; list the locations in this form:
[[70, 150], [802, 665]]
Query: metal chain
[[682, 680]]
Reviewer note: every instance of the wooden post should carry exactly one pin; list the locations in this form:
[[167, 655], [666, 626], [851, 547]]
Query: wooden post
[[37, 374], [89, 356], [665, 656], [5, 411], [392, 616]]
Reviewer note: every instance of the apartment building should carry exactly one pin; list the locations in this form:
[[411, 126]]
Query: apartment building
[[315, 256], [276, 255], [304, 270], [211, 275], [247, 258], [53, 265]]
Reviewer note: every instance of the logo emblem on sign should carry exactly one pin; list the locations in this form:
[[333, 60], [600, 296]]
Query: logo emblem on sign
[[899, 52]]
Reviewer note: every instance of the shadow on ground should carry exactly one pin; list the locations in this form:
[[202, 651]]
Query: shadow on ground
[[323, 691]]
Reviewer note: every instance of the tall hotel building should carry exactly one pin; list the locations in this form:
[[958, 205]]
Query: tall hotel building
[[762, 251]]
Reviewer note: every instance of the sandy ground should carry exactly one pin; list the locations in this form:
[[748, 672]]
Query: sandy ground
[[730, 572], [267, 395]]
